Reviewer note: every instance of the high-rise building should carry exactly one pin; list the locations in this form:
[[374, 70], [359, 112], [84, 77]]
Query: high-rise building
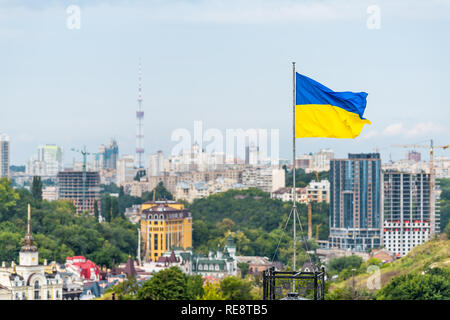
[[106, 157], [4, 155], [252, 155], [48, 162], [413, 156], [70, 187], [125, 170], [165, 225], [355, 202], [265, 178], [111, 155], [303, 161], [406, 210], [321, 160], [156, 164]]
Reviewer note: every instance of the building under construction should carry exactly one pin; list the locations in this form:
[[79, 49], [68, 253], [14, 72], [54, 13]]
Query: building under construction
[[70, 187]]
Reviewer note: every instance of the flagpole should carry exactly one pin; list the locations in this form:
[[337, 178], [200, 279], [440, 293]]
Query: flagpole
[[294, 193]]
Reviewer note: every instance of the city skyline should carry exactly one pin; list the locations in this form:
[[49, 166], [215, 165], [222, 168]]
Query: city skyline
[[210, 61]]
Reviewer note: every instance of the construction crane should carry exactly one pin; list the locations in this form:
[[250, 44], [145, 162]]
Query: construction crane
[[317, 232], [309, 218], [431, 147], [83, 179]]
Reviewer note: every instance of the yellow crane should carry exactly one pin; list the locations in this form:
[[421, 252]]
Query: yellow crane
[[317, 232], [431, 147], [309, 218]]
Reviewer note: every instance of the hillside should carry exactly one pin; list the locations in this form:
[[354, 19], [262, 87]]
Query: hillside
[[256, 221], [432, 254]]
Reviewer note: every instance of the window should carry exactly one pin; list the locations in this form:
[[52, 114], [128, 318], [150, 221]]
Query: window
[[36, 291]]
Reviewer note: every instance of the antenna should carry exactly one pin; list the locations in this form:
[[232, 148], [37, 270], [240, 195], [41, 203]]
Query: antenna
[[139, 122]]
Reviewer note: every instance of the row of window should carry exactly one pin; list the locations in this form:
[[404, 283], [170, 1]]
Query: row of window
[[210, 267]]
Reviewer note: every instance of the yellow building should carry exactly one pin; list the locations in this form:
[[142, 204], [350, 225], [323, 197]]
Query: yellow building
[[164, 225]]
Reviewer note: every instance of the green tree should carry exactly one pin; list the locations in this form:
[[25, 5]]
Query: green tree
[[211, 291], [96, 210], [168, 284], [126, 290], [243, 266], [336, 266], [161, 193], [36, 189], [194, 287], [434, 284], [8, 197], [114, 207], [234, 288], [10, 245]]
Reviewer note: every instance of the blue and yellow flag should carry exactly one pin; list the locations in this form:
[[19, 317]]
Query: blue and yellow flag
[[321, 112]]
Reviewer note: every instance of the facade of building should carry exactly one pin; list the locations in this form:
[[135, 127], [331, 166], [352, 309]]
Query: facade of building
[[318, 191], [50, 193], [285, 194], [156, 164], [164, 224], [190, 191], [29, 280], [83, 268], [304, 161], [49, 161], [355, 202], [321, 160], [70, 187], [125, 170], [413, 156], [267, 179], [218, 264], [406, 214], [4, 155]]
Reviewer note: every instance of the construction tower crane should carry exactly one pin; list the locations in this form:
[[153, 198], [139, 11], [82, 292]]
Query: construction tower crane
[[317, 232], [83, 179], [431, 147], [309, 218]]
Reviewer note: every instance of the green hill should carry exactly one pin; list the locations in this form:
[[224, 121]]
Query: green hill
[[434, 254]]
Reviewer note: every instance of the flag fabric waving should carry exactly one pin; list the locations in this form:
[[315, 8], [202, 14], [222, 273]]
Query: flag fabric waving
[[321, 112]]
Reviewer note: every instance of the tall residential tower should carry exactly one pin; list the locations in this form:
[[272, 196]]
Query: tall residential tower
[[4, 155], [355, 202]]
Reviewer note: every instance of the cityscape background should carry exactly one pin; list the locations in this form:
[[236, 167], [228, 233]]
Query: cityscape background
[[95, 93], [226, 63]]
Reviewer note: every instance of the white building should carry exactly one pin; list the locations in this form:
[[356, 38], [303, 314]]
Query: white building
[[50, 193], [48, 162], [125, 170], [285, 194], [321, 160], [265, 178], [406, 211], [29, 280], [156, 164], [318, 191], [189, 191], [4, 155]]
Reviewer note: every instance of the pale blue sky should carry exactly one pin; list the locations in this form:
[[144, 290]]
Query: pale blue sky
[[227, 63]]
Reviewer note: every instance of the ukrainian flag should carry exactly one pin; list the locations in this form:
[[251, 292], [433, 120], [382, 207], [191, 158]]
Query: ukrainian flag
[[321, 112]]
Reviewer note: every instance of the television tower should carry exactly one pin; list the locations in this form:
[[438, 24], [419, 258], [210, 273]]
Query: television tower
[[139, 123]]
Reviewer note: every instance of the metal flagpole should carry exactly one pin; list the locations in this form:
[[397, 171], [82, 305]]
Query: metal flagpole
[[294, 193]]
